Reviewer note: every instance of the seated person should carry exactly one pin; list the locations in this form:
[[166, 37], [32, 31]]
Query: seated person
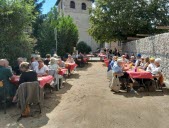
[[132, 60], [151, 66], [156, 72], [27, 74], [61, 63], [6, 75], [79, 60], [47, 60], [138, 60], [127, 56], [54, 66], [70, 59], [118, 71], [34, 62], [110, 66], [147, 62], [41, 69], [142, 63], [7, 65], [124, 59], [16, 68]]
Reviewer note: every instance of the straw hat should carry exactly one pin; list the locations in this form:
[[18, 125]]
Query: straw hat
[[151, 59]]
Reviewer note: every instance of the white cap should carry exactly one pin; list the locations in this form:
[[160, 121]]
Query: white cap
[[158, 60]]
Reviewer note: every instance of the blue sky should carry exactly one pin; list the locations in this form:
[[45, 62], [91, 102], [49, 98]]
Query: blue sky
[[48, 5]]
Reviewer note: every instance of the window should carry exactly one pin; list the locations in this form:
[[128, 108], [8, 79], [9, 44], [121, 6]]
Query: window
[[72, 4], [83, 6]]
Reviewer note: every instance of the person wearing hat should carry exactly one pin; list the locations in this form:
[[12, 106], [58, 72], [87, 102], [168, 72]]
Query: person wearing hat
[[110, 67], [41, 69], [119, 71], [151, 66], [138, 61]]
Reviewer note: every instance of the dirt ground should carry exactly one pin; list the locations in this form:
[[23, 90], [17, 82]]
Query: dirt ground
[[87, 102]]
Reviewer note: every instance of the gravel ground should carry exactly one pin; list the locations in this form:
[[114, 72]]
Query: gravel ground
[[87, 102]]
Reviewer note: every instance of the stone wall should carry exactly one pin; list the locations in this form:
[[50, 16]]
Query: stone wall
[[154, 46]]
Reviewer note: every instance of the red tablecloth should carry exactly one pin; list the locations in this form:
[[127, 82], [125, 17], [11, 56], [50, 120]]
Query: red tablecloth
[[106, 62], [42, 80], [85, 60], [90, 55], [71, 66], [102, 55], [140, 74], [62, 71]]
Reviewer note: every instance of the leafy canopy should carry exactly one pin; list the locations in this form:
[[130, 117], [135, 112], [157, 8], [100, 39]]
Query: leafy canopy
[[116, 19], [16, 18], [67, 34]]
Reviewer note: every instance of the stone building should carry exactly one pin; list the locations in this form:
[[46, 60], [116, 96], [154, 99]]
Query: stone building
[[79, 11]]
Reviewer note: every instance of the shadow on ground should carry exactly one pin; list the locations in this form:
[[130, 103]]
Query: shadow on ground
[[144, 94], [86, 67], [50, 102]]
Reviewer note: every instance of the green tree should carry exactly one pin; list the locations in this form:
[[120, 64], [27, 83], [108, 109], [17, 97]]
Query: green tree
[[83, 47], [67, 34], [116, 19], [15, 25]]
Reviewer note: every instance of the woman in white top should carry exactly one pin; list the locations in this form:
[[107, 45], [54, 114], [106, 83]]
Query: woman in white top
[[53, 64], [151, 66], [157, 70], [41, 69]]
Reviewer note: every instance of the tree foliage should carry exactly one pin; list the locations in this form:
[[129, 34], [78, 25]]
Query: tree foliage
[[67, 34], [83, 47], [116, 19], [16, 18]]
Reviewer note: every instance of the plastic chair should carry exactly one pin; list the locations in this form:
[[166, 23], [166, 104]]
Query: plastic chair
[[3, 100], [56, 76]]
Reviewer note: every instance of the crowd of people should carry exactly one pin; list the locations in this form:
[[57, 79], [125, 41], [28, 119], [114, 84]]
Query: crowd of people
[[30, 71], [117, 66]]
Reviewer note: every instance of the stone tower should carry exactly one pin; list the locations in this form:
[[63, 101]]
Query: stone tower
[[79, 11]]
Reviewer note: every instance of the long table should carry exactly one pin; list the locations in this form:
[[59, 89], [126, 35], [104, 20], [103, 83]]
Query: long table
[[63, 71], [71, 66], [42, 80], [140, 74]]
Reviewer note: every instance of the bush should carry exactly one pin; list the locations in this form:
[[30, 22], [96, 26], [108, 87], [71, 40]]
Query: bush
[[83, 47]]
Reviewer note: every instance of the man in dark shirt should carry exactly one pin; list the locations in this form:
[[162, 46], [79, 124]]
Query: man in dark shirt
[[47, 60], [16, 68]]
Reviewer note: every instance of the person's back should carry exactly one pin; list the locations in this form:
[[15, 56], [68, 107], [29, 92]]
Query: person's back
[[28, 76], [5, 75]]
